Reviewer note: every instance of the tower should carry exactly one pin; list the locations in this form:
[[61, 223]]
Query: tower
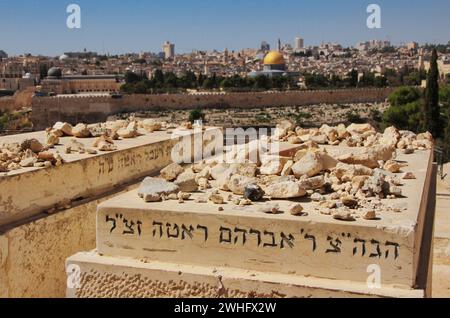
[[299, 44], [169, 50], [206, 67], [421, 65], [226, 56]]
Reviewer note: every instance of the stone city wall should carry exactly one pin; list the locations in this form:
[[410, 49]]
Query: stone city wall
[[75, 109], [7, 103], [20, 100]]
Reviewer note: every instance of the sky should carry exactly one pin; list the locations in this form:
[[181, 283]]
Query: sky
[[118, 26]]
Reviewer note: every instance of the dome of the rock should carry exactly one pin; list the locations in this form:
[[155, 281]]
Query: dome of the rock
[[274, 58]]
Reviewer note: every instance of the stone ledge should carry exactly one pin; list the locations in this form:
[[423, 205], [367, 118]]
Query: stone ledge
[[30, 191], [103, 277], [243, 237]]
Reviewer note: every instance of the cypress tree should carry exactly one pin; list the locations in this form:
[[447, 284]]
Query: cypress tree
[[447, 136], [431, 111]]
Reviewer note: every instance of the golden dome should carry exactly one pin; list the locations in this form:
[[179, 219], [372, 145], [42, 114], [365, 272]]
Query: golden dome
[[274, 58]]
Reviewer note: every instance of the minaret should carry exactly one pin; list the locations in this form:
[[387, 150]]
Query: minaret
[[206, 67], [421, 65], [225, 58], [279, 45]]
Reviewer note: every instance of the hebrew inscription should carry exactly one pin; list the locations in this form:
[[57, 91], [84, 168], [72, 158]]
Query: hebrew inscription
[[242, 237]]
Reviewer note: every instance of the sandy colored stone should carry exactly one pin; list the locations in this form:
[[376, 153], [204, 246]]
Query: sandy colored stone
[[295, 140], [151, 125], [216, 198], [287, 169], [171, 172], [106, 146], [218, 170], [52, 138], [186, 181], [64, 128], [152, 189], [91, 151], [358, 181], [245, 202], [33, 144], [369, 215], [310, 165], [269, 208], [273, 166], [46, 156], [104, 143], [343, 215], [313, 183], [286, 125], [285, 190], [75, 146], [408, 176], [349, 202], [238, 183], [183, 195], [203, 199], [393, 166], [28, 162], [317, 197], [296, 209], [81, 131], [371, 157], [245, 169], [360, 128]]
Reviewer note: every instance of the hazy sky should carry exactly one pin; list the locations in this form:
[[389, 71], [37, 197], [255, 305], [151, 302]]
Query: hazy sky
[[118, 26]]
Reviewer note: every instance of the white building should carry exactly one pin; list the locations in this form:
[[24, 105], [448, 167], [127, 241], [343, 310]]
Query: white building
[[299, 44], [169, 50]]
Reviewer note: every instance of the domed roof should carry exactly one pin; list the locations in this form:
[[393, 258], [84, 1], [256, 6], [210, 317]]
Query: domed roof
[[63, 57], [54, 72], [274, 58]]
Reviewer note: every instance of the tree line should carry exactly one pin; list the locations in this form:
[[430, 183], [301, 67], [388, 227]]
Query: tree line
[[169, 82], [388, 78]]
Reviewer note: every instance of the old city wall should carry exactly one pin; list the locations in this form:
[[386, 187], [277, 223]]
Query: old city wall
[[73, 109], [7, 104], [20, 99]]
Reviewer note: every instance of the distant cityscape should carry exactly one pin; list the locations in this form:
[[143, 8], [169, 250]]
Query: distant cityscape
[[305, 66]]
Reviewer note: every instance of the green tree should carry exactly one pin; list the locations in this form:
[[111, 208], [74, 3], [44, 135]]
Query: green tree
[[262, 82], [170, 80], [200, 80], [158, 78], [405, 117], [132, 78], [208, 83], [353, 78], [188, 80], [431, 110], [140, 88], [405, 110], [404, 95], [196, 114], [43, 70]]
